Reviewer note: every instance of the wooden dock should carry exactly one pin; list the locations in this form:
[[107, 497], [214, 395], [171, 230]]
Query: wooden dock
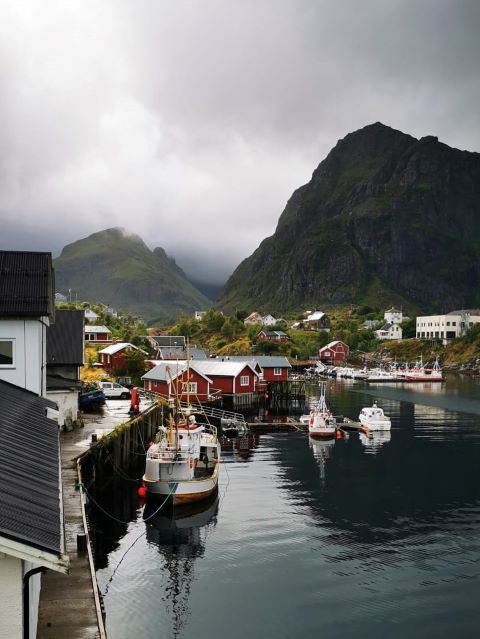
[[343, 424], [69, 604]]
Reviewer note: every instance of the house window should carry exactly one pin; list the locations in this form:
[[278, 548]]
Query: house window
[[189, 387], [244, 380], [7, 353], [277, 371]]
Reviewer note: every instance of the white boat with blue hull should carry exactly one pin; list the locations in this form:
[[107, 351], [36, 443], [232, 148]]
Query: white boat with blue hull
[[182, 465]]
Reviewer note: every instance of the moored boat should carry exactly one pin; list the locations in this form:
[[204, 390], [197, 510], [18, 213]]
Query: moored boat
[[381, 375], [321, 422], [420, 373], [182, 465], [373, 418]]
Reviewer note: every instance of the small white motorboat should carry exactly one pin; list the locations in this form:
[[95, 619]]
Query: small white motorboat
[[373, 418]]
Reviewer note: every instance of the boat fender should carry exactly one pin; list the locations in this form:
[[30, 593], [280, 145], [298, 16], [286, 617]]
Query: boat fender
[[191, 462]]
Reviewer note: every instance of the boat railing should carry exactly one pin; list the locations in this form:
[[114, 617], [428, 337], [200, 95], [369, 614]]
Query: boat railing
[[171, 454]]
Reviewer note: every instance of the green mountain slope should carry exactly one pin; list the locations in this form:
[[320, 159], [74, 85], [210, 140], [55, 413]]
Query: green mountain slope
[[386, 218], [116, 267]]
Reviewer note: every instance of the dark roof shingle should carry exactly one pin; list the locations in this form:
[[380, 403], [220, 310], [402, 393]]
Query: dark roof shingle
[[26, 284], [30, 510], [65, 338]]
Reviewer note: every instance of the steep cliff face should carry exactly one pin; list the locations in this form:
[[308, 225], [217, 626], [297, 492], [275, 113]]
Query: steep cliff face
[[386, 218], [116, 267]]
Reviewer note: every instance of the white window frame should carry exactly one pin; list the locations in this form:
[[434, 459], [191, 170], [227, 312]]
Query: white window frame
[[12, 341], [244, 380], [277, 370], [189, 387]]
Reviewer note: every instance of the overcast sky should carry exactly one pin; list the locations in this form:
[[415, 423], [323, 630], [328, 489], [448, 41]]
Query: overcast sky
[[191, 122]]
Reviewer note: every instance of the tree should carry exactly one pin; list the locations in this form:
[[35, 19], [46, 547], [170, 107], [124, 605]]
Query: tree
[[213, 320], [231, 328]]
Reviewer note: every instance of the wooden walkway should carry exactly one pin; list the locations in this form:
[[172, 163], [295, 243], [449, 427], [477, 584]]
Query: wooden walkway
[[68, 603]]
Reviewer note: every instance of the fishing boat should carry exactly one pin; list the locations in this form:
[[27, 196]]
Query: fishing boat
[[419, 373], [321, 422], [183, 463], [381, 375], [373, 418]]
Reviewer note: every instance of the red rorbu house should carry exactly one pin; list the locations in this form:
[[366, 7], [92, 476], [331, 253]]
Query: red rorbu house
[[335, 351], [172, 378], [98, 334], [113, 357], [230, 377], [270, 368]]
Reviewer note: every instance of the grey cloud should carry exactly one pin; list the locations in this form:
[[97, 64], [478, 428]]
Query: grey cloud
[[192, 122]]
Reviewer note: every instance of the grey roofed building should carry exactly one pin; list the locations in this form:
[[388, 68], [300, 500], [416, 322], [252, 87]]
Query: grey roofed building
[[171, 352], [30, 481], [163, 341], [264, 361], [65, 350], [26, 284], [65, 338], [197, 353]]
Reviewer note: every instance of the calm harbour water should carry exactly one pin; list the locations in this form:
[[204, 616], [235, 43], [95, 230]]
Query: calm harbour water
[[346, 538]]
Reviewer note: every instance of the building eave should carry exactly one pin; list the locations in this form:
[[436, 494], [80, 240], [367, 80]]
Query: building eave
[[59, 563]]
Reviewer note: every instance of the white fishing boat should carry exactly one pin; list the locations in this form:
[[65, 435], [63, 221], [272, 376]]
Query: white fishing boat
[[182, 464], [381, 375], [321, 422], [420, 373], [373, 418]]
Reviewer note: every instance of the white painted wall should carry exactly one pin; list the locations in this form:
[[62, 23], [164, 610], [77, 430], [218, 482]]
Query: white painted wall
[[11, 597], [29, 370], [67, 402], [395, 317]]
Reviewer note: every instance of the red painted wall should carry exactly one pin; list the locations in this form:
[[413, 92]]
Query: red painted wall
[[161, 387], [268, 375]]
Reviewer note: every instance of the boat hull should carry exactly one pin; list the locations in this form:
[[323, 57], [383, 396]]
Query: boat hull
[[184, 491], [423, 378], [373, 426], [322, 434]]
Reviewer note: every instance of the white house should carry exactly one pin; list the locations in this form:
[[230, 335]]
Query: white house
[[269, 320], [446, 327], [26, 310], [90, 316], [316, 321], [393, 316], [389, 331], [253, 318]]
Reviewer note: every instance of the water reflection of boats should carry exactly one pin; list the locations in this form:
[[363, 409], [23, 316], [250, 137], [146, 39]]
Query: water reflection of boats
[[375, 440], [321, 451], [180, 524], [179, 533]]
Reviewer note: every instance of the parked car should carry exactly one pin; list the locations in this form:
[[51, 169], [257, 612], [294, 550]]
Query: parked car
[[91, 400], [113, 390]]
